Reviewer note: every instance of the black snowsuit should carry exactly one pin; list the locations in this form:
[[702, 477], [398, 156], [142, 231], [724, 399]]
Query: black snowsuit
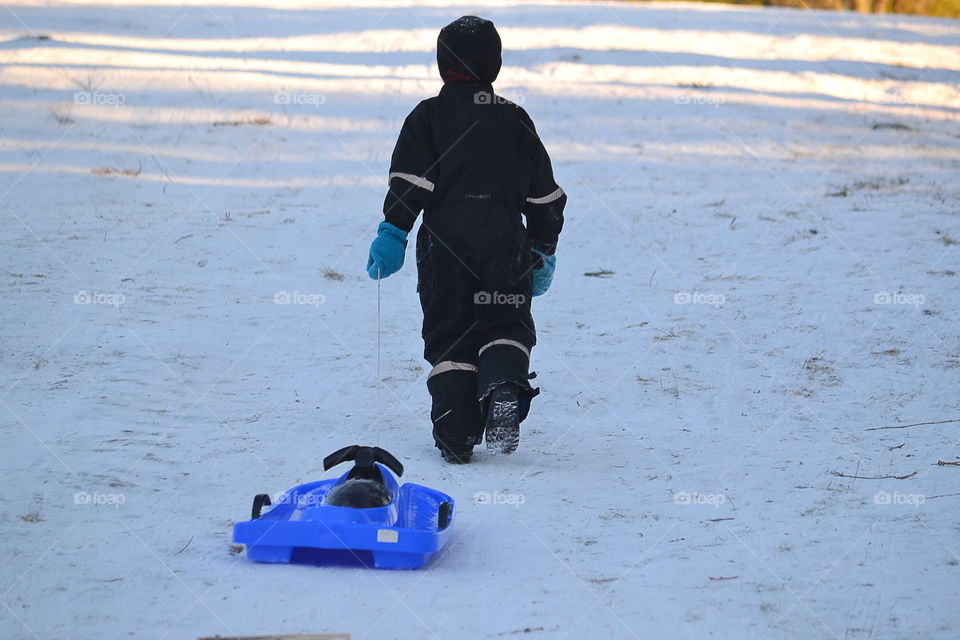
[[473, 163]]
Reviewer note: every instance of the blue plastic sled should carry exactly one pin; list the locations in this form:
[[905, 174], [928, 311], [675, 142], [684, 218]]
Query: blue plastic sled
[[363, 518]]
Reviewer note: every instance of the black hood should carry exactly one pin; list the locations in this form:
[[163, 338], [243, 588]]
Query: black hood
[[468, 50]]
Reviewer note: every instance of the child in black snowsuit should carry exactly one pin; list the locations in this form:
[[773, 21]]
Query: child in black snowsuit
[[473, 163]]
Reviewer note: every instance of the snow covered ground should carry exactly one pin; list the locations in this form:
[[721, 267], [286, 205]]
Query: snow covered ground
[[759, 265]]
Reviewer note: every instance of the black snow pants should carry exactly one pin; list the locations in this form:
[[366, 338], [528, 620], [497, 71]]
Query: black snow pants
[[477, 331]]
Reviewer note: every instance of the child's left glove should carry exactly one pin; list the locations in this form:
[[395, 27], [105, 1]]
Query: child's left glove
[[544, 266], [386, 251]]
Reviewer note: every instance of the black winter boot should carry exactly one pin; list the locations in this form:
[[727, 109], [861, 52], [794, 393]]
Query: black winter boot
[[505, 393], [457, 423], [456, 455]]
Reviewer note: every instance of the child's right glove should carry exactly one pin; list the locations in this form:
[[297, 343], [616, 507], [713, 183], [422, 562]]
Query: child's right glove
[[544, 266], [386, 251]]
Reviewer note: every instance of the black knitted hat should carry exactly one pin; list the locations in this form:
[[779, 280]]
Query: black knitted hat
[[468, 50]]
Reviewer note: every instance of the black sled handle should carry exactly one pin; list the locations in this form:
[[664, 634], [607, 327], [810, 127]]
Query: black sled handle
[[444, 515], [259, 501], [363, 457]]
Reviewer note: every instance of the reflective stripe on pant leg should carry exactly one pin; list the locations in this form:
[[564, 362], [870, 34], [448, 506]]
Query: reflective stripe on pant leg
[[455, 412], [450, 365], [512, 343]]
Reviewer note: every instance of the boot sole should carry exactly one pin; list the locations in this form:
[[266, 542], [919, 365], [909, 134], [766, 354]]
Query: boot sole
[[503, 425]]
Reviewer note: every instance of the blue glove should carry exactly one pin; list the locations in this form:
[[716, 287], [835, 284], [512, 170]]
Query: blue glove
[[386, 251], [543, 275]]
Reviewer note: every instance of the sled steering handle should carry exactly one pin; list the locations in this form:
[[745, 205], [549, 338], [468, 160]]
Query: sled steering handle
[[260, 501], [363, 457]]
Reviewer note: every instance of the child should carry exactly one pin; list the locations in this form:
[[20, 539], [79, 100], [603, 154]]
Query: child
[[473, 163]]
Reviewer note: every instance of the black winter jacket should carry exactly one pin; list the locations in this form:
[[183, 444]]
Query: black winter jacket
[[472, 161]]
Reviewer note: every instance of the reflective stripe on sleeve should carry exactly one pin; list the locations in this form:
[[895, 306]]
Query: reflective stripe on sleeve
[[423, 183], [547, 198]]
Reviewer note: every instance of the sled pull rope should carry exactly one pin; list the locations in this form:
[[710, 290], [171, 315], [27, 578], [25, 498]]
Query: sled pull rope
[[378, 356]]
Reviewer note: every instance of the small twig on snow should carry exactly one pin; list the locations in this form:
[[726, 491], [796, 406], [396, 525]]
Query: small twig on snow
[[183, 548], [855, 476], [915, 424]]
